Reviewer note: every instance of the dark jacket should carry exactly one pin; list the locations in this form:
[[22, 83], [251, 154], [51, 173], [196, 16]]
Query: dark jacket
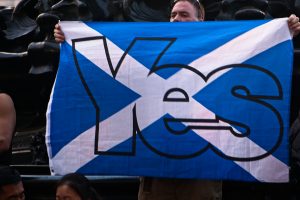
[[295, 149]]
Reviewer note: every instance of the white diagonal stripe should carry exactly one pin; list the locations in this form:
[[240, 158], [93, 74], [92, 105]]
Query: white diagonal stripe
[[253, 42]]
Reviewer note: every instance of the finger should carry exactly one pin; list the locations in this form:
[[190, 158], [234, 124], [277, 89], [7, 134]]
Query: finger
[[57, 31], [57, 26], [295, 29], [293, 21], [59, 36], [295, 26], [292, 17]]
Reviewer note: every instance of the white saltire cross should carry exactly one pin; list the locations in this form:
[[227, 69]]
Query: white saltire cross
[[239, 147]]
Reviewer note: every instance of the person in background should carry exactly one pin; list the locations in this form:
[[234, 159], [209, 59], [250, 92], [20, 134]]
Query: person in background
[[188, 10], [7, 127], [11, 186], [75, 186], [169, 189]]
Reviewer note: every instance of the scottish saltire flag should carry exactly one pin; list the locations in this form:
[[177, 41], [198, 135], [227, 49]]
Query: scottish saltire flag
[[181, 100]]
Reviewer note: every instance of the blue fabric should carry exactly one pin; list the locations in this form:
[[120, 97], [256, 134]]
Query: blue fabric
[[253, 96]]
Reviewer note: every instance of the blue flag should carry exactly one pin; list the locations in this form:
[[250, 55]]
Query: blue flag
[[195, 100]]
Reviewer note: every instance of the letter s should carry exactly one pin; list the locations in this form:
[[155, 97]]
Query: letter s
[[245, 97]]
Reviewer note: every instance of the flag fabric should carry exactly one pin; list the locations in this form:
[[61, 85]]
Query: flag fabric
[[195, 100]]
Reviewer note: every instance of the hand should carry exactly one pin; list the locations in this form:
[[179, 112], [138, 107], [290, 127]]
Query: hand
[[58, 34], [294, 25]]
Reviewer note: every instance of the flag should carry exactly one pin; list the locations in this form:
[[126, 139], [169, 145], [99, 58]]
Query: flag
[[205, 100]]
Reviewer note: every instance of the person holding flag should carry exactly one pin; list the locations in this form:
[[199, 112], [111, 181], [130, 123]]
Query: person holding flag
[[169, 189]]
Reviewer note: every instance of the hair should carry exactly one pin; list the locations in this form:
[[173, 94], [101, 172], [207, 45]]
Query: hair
[[197, 5], [8, 176], [81, 185]]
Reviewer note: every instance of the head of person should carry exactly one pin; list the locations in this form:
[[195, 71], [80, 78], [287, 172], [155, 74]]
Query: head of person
[[11, 186], [187, 11], [75, 186]]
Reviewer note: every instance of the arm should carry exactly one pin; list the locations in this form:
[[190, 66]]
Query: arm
[[58, 34], [294, 24], [7, 121]]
